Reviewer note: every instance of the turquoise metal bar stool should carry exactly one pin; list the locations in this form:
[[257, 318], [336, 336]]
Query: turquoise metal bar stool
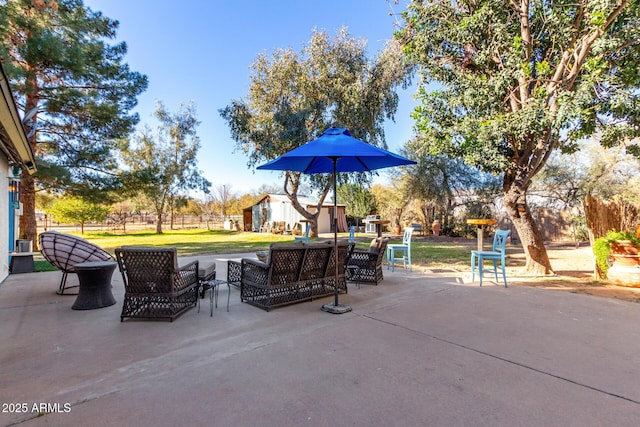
[[304, 238], [352, 234], [403, 249], [496, 254]]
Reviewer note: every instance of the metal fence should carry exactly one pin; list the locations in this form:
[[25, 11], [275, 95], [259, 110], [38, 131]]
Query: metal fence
[[147, 221]]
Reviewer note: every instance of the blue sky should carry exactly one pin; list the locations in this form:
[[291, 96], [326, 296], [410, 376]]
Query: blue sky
[[201, 51]]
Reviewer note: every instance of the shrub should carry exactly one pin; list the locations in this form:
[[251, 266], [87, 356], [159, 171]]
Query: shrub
[[602, 248]]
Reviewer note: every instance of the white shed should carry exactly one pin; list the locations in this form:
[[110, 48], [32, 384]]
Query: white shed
[[276, 208]]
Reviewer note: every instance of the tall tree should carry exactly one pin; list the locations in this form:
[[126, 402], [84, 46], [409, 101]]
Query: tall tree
[[520, 79], [439, 184], [164, 165], [294, 97], [74, 210], [358, 200], [222, 196], [78, 90], [391, 200]]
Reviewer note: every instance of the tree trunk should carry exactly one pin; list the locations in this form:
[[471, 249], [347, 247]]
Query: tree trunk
[[159, 205], [312, 218], [291, 185], [27, 223], [159, 222], [536, 257], [602, 216]]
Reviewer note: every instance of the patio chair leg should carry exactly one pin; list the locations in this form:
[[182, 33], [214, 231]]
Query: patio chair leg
[[504, 275], [473, 267], [393, 259], [63, 285]]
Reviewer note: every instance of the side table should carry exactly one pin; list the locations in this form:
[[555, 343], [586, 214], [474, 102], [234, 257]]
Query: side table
[[352, 271], [95, 285], [22, 262], [213, 296]]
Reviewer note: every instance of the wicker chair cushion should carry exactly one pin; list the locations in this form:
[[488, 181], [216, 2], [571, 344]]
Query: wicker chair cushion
[[286, 245], [375, 245], [206, 269], [64, 251]]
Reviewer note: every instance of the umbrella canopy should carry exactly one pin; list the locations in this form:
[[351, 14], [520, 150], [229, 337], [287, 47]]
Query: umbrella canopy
[[352, 155], [336, 151]]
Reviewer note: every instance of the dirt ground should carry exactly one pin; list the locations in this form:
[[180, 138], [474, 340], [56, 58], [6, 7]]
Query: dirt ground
[[574, 269]]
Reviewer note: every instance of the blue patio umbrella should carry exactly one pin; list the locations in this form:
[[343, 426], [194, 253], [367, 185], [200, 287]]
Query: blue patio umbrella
[[335, 151]]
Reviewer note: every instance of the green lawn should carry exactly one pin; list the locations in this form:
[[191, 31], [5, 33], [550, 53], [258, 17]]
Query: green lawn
[[192, 242], [434, 253], [43, 265]]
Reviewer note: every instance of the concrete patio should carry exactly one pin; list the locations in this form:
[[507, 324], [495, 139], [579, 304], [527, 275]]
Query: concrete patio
[[423, 348]]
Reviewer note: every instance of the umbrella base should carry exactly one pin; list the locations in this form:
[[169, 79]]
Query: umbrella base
[[336, 309]]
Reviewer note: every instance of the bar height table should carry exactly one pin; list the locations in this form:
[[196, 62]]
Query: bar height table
[[481, 223], [379, 223]]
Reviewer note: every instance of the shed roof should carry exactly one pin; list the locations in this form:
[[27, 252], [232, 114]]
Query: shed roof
[[304, 200]]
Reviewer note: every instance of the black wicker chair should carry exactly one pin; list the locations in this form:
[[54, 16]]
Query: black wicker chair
[[366, 266], [155, 287], [64, 251], [345, 249]]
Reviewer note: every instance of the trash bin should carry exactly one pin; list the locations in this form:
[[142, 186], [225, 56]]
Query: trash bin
[[23, 245]]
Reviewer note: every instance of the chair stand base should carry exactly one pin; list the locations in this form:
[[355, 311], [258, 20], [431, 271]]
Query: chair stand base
[[62, 291], [63, 286], [336, 309], [479, 265]]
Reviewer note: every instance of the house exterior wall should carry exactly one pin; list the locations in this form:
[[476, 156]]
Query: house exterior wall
[[16, 150]]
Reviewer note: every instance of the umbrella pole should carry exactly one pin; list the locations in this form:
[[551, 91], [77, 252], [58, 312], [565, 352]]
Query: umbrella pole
[[335, 231], [335, 308]]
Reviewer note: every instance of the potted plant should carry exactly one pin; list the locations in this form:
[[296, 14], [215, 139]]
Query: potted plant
[[436, 226], [621, 247]]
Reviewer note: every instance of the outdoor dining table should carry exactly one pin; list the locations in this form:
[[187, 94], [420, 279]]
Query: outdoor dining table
[[481, 223], [379, 223]]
